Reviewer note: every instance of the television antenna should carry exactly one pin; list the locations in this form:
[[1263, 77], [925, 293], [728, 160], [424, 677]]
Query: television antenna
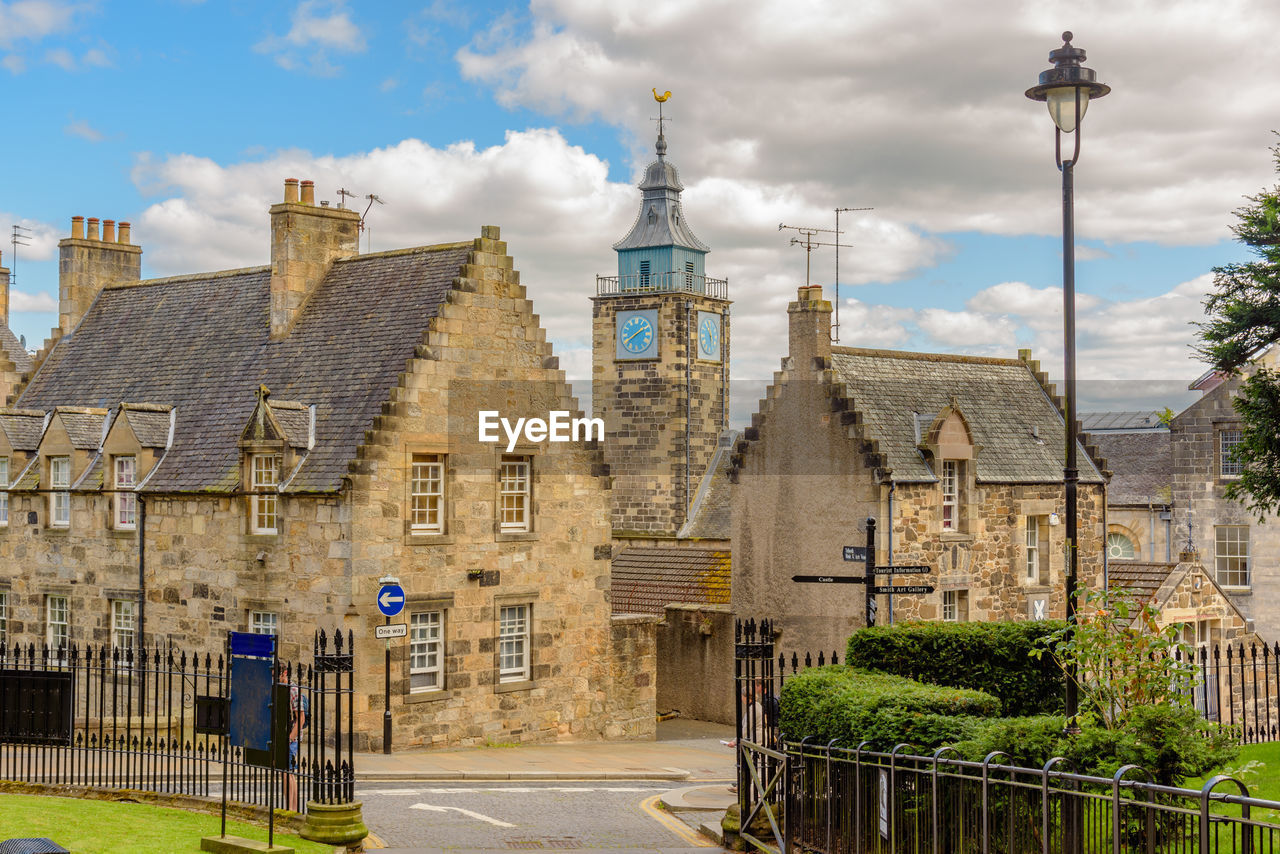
[[806, 239], [368, 237], [835, 329], [17, 239], [343, 195]]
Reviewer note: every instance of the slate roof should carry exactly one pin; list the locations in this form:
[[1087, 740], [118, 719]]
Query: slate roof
[[661, 190], [150, 424], [1143, 580], [201, 344], [294, 419], [1141, 464], [899, 394], [83, 426], [1129, 420], [12, 347], [23, 429], [711, 517], [646, 580]]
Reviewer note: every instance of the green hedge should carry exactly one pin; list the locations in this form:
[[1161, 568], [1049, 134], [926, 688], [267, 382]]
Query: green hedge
[[851, 705], [990, 657]]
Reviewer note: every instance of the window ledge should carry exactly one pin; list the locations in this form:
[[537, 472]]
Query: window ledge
[[506, 687], [956, 537], [123, 533], [59, 530], [427, 696], [1236, 591], [423, 539], [262, 538], [1037, 588], [514, 537]]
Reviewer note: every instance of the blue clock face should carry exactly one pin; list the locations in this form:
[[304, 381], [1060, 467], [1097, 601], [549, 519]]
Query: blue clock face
[[636, 334], [709, 338]]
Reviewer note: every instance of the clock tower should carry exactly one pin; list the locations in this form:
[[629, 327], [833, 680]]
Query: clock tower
[[660, 361]]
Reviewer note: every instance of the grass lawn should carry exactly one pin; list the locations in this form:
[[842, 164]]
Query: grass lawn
[[103, 827], [1264, 778]]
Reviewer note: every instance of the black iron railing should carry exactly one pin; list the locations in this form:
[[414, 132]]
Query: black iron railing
[[655, 283], [155, 719], [1239, 686]]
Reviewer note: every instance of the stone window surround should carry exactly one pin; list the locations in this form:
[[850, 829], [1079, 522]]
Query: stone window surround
[[427, 602], [124, 617], [57, 499], [119, 501], [51, 609], [4, 492], [252, 453], [1248, 563], [1220, 428], [419, 537], [528, 599], [1041, 509], [525, 453], [958, 607]]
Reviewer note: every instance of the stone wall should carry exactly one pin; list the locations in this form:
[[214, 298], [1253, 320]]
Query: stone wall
[[695, 662], [1199, 496]]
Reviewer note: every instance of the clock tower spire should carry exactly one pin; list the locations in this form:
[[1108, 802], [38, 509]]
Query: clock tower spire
[[660, 358]]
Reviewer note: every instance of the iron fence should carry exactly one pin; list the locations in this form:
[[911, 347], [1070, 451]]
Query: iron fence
[[156, 719], [1239, 686], [853, 801], [652, 283]]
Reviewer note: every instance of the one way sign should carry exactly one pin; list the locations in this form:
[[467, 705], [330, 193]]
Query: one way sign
[[390, 599]]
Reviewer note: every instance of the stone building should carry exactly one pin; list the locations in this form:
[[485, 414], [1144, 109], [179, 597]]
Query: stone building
[[254, 449], [1242, 551], [15, 362], [959, 460], [1138, 451]]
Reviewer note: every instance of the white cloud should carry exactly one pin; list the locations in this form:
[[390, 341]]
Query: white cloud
[[41, 239], [60, 57], [317, 27], [25, 302], [14, 64], [925, 122], [32, 20], [84, 130], [970, 330]]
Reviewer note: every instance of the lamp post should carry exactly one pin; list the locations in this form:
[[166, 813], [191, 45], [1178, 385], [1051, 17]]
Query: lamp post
[[1067, 89]]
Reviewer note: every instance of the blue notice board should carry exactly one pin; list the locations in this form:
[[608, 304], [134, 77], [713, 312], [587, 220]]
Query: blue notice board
[[252, 656]]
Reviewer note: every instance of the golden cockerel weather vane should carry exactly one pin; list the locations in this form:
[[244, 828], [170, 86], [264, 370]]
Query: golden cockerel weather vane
[[661, 99]]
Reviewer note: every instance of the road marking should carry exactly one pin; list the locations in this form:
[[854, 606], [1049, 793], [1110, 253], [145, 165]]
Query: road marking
[[675, 825], [477, 816], [517, 789]]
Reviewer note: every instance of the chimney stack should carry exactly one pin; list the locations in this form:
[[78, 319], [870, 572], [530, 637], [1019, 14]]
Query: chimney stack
[[305, 241], [87, 263], [4, 292], [809, 320]]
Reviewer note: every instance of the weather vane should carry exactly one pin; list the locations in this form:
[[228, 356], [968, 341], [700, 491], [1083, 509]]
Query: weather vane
[[661, 99]]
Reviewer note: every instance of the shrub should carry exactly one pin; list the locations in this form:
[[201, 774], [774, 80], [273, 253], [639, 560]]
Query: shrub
[[991, 657], [840, 702]]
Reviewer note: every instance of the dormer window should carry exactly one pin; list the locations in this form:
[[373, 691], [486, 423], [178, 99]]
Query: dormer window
[[950, 495], [264, 503], [60, 501], [125, 502]]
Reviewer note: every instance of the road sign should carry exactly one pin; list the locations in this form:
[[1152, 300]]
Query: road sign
[[903, 588], [829, 579], [903, 570], [390, 599], [855, 552], [399, 630]]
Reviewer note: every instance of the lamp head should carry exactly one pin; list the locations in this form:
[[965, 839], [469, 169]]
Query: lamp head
[[1067, 84]]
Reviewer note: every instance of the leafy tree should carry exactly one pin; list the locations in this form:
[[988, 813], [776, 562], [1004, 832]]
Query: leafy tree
[[1244, 319]]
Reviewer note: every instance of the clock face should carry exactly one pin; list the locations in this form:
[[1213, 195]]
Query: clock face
[[708, 336], [637, 338]]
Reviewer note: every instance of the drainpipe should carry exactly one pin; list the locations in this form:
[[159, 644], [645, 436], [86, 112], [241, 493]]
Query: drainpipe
[[1151, 530], [689, 344], [142, 570]]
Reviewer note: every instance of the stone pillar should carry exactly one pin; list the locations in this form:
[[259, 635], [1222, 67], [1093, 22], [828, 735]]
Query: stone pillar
[[809, 327], [87, 264], [305, 240]]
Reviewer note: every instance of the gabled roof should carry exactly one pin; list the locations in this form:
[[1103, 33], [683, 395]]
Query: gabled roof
[[711, 517], [12, 347], [201, 344], [1143, 580], [1141, 464], [150, 423], [646, 580], [1146, 419], [1019, 430], [83, 425], [23, 428]]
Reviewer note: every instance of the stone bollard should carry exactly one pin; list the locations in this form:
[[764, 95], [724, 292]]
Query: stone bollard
[[334, 824]]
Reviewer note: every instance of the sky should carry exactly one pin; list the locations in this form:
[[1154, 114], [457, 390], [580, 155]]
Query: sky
[[184, 118]]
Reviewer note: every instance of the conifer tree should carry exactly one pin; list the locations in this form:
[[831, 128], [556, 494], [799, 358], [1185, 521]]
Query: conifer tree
[[1244, 320]]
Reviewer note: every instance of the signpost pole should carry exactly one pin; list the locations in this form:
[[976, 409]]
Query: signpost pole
[[871, 571], [386, 715]]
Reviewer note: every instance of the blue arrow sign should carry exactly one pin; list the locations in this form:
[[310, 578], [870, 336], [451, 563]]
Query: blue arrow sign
[[390, 599]]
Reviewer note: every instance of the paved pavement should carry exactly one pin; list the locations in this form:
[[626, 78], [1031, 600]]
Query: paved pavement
[[688, 755]]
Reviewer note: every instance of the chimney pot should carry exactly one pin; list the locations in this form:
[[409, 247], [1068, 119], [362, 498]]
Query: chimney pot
[[290, 189], [93, 228], [308, 192], [125, 235], [108, 231], [77, 227]]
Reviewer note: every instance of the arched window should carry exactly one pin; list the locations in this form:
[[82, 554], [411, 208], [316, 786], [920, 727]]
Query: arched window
[[1119, 547]]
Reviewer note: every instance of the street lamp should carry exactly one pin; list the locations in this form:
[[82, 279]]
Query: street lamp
[[1067, 88]]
